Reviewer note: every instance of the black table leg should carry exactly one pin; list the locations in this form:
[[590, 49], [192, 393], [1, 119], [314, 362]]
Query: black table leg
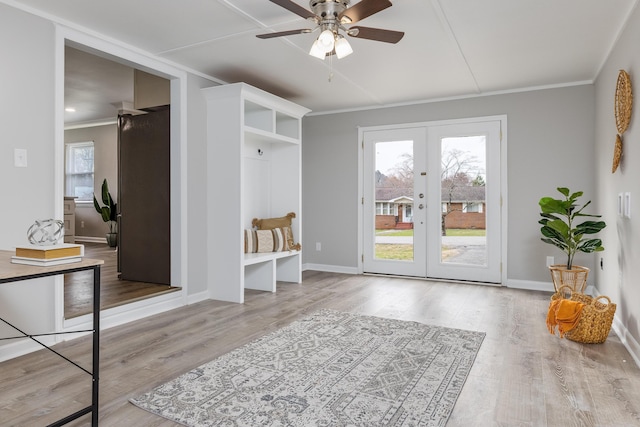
[[96, 345]]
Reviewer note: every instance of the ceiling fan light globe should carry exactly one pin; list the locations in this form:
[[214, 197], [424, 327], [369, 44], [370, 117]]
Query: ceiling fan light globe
[[327, 40], [317, 51], [343, 48]]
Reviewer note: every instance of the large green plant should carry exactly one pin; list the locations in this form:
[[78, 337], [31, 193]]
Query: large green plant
[[109, 211], [560, 227]]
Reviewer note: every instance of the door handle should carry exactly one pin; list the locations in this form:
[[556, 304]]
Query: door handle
[[420, 206]]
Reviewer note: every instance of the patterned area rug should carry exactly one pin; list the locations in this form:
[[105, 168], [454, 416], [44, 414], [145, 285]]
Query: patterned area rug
[[328, 369]]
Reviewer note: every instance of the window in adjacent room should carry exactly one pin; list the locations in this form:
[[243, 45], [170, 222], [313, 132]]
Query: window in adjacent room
[[79, 170]]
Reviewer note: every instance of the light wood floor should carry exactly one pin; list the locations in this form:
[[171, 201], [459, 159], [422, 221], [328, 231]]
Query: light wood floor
[[78, 287], [523, 376]]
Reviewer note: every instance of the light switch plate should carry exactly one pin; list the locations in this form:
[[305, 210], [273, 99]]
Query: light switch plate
[[627, 204], [20, 157], [620, 204]]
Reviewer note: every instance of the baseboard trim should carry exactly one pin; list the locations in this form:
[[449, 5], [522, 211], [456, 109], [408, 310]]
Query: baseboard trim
[[200, 296], [529, 285], [329, 268], [511, 283], [109, 318], [117, 316], [629, 342], [23, 346]]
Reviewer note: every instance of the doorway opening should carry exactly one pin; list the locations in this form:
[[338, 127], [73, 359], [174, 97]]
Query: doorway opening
[[78, 287], [115, 292]]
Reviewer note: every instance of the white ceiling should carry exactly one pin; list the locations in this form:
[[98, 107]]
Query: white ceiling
[[451, 48]]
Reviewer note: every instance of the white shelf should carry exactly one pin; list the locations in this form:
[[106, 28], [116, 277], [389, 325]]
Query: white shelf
[[254, 171], [258, 117], [250, 259], [259, 135]]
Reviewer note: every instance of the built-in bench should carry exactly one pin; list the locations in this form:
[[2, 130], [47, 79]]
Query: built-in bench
[[263, 270]]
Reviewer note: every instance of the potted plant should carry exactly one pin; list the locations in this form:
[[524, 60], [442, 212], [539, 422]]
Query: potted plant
[[561, 227], [109, 214]]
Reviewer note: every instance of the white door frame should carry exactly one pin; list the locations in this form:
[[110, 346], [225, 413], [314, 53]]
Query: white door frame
[[179, 244], [503, 184]]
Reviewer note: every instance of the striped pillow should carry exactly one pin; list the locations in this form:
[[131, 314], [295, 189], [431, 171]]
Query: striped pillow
[[261, 241]]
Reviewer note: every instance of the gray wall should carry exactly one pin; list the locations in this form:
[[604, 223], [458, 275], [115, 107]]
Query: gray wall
[[619, 279], [550, 144], [105, 143]]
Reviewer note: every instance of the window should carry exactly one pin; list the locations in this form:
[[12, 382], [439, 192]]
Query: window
[[386, 208], [472, 207], [79, 170]]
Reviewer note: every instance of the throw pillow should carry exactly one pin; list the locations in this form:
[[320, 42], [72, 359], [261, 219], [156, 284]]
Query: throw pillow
[[261, 241], [281, 222]]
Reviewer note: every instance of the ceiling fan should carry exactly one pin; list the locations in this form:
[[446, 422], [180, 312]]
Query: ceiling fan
[[331, 17]]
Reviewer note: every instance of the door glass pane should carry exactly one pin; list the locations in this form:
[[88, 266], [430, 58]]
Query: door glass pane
[[394, 191], [463, 185]]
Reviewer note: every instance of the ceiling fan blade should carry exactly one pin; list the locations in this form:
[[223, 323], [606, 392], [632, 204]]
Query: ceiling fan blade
[[295, 8], [361, 10], [377, 34], [283, 33]]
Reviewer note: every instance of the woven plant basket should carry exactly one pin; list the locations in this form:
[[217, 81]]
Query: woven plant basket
[[576, 278], [595, 320]]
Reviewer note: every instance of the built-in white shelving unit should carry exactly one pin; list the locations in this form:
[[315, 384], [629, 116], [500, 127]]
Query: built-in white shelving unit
[[254, 171]]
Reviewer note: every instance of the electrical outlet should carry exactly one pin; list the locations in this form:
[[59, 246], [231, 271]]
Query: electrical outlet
[[318, 246], [550, 261]]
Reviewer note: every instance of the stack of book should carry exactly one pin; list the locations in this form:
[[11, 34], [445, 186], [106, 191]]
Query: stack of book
[[63, 253]]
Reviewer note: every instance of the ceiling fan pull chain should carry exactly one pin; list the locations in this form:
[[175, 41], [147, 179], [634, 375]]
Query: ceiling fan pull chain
[[330, 68]]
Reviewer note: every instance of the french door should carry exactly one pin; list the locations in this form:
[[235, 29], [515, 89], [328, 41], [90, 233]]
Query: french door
[[393, 244], [447, 176]]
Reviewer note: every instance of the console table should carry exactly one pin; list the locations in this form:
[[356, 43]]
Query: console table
[[16, 272]]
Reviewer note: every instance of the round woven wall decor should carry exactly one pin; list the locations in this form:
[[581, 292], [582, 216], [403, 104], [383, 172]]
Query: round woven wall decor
[[617, 153], [624, 101]]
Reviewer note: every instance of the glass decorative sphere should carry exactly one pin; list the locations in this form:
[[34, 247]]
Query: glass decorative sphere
[[45, 232]]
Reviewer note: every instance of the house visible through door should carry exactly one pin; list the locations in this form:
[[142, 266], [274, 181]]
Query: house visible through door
[[431, 200]]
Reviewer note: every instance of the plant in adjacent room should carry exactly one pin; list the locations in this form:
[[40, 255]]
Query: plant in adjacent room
[[108, 212]]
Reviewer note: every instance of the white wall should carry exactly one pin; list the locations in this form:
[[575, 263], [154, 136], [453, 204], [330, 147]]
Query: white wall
[[550, 144], [619, 279], [197, 217], [26, 121]]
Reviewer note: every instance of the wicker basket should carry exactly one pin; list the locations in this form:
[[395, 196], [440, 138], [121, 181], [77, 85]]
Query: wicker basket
[[576, 278], [623, 101], [595, 320]]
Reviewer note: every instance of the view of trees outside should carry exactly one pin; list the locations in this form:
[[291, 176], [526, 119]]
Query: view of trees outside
[[460, 169]]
